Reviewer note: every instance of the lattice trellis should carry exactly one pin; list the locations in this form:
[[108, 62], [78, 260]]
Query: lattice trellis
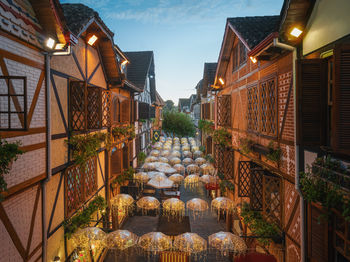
[[268, 107], [272, 203], [106, 108], [228, 164], [94, 107], [224, 110], [81, 182], [244, 178], [219, 158], [78, 118], [256, 189], [253, 108]]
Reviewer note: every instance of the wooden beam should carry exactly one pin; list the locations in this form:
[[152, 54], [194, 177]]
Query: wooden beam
[[33, 221], [12, 232], [31, 131], [35, 97], [33, 147], [21, 59], [14, 190]]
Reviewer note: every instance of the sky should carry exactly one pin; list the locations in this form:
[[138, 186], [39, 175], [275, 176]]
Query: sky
[[183, 34]]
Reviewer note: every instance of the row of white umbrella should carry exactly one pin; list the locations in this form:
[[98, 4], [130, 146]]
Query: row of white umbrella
[[154, 242]]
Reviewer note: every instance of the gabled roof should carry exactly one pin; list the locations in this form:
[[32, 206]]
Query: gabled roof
[[253, 29], [140, 64], [209, 72], [159, 100], [78, 17], [184, 102]]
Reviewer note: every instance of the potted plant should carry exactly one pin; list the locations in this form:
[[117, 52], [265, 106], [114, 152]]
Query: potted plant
[[222, 137], [206, 126]]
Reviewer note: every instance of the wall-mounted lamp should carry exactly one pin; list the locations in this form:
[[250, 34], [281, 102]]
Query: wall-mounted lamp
[[296, 32], [92, 39], [253, 59], [57, 259], [50, 43], [125, 62], [222, 82]]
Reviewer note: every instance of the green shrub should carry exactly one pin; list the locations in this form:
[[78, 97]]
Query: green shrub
[[178, 124]]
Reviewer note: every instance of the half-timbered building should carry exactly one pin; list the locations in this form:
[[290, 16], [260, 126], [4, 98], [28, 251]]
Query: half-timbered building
[[141, 73], [319, 33], [254, 103], [29, 31]]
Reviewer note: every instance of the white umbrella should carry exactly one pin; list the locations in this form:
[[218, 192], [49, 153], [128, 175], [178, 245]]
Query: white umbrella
[[156, 175], [177, 178], [165, 183]]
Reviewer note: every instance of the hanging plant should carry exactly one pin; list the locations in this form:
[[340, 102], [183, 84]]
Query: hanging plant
[[222, 137], [319, 184], [206, 126], [124, 131], [142, 120], [83, 218], [275, 153], [245, 145], [259, 226], [9, 152], [226, 185], [127, 175], [85, 146]]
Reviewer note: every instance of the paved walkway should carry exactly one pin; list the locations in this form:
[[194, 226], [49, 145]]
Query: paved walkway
[[204, 226]]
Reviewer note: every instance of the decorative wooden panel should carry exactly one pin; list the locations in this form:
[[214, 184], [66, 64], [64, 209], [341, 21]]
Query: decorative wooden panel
[[256, 189], [116, 161], [77, 105], [81, 182], [272, 202], [13, 103], [94, 107], [268, 107], [228, 164], [253, 108], [311, 102], [224, 110], [341, 112], [106, 108], [219, 158], [244, 173]]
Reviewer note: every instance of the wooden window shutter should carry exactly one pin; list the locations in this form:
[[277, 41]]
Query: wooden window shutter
[[116, 162], [126, 156], [311, 102], [78, 105], [318, 235], [131, 150], [106, 108], [341, 101], [125, 111]]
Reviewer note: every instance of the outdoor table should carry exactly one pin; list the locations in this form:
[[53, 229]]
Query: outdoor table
[[173, 227], [170, 194]]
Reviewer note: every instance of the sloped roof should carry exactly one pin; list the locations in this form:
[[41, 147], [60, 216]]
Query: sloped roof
[[184, 102], [78, 15], [159, 99], [209, 71], [254, 29], [140, 63]]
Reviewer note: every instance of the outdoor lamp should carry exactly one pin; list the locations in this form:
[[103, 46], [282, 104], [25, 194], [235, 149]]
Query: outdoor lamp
[[50, 43], [125, 62], [57, 259], [253, 59], [92, 39], [221, 81], [296, 32]]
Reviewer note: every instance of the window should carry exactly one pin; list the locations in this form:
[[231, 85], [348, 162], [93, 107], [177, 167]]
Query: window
[[224, 110], [13, 103], [81, 183], [86, 107], [262, 107], [239, 56], [342, 236]]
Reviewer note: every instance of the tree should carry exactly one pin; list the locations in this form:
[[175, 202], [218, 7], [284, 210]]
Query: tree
[[169, 106], [178, 124]]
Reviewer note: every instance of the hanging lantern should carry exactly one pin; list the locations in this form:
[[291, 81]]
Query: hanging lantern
[[207, 169], [163, 160], [174, 208], [179, 168], [200, 161], [158, 176], [191, 244], [147, 204], [197, 206], [160, 184], [155, 242], [165, 153], [176, 178], [222, 204], [124, 202], [187, 161], [91, 239], [226, 242], [121, 239], [192, 169], [165, 168], [192, 181]]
